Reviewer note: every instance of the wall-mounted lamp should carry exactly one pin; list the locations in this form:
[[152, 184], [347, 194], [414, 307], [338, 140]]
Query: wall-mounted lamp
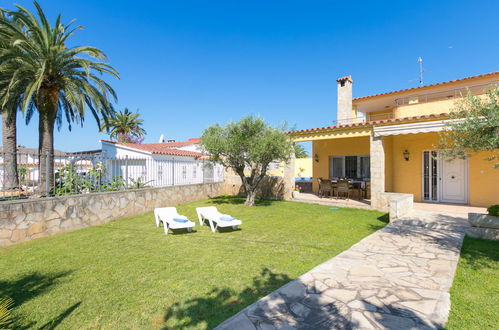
[[406, 155], [316, 158]]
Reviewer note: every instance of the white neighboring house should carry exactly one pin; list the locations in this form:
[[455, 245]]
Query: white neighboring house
[[159, 164], [27, 163]]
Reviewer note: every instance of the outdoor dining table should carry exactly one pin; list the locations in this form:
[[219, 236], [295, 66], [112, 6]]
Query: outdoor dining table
[[358, 185], [356, 182], [362, 183]]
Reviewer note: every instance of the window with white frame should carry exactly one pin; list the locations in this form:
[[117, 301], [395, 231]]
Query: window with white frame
[[354, 166]]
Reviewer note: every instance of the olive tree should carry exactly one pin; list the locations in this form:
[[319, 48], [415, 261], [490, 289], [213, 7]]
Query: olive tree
[[247, 147], [475, 128]]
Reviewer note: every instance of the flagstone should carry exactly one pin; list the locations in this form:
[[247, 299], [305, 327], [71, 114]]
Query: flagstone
[[396, 278]]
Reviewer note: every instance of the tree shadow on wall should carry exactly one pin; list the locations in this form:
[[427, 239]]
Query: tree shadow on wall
[[238, 200]]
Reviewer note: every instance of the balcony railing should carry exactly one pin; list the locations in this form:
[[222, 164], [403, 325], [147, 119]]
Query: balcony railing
[[421, 98], [380, 116], [360, 120], [445, 95]]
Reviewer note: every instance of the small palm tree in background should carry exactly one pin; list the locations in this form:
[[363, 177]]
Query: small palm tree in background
[[54, 79], [125, 126], [300, 151]]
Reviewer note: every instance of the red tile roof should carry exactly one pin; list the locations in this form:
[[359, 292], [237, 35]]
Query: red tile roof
[[369, 123], [484, 75], [158, 149], [173, 144], [345, 78], [177, 144]]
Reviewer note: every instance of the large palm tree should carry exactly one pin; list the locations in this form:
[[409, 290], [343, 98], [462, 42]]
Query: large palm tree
[[54, 79], [125, 126], [9, 152], [8, 112]]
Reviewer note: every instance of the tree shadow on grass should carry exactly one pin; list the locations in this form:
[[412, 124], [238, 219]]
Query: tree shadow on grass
[[238, 200], [384, 218], [27, 287], [480, 254], [52, 324], [300, 304], [383, 221], [221, 303]]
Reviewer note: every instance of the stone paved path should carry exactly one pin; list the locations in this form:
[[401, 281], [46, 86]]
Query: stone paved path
[[396, 278]]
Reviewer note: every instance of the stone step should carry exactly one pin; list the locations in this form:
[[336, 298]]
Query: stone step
[[483, 233], [434, 225]]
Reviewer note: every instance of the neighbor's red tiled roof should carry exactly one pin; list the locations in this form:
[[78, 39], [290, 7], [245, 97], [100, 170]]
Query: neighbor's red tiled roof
[[158, 149], [369, 123], [172, 144], [483, 75], [177, 144], [86, 152]]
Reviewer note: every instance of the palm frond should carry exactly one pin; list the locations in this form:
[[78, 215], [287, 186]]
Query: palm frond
[[5, 307]]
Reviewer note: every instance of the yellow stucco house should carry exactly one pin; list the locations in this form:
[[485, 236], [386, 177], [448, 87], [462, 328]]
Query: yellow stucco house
[[390, 139], [302, 168]]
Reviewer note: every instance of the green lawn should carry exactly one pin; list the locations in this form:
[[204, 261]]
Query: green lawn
[[475, 291], [128, 274]]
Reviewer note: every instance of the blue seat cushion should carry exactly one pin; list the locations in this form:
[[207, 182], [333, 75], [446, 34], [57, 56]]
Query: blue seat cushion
[[227, 218], [180, 220]]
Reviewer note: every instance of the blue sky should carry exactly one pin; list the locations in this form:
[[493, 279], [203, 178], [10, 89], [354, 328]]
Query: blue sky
[[188, 64]]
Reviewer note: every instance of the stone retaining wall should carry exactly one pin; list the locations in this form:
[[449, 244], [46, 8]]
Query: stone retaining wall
[[483, 226], [22, 220]]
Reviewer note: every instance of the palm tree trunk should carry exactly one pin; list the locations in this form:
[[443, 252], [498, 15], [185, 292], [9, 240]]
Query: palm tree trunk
[[9, 141], [47, 111]]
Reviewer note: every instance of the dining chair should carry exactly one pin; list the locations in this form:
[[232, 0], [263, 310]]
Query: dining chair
[[327, 187], [343, 187], [367, 189], [319, 181]]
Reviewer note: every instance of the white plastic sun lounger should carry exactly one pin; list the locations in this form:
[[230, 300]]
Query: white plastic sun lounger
[[216, 219], [171, 219]]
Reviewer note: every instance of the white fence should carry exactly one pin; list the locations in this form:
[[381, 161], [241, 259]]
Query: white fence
[[86, 173], [163, 172]]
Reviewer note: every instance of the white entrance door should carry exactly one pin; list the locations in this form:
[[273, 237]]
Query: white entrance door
[[454, 181], [444, 181]]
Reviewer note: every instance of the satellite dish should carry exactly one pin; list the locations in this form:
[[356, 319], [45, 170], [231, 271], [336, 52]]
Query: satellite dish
[[161, 138]]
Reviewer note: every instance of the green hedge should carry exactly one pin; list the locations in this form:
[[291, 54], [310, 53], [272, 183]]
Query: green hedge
[[493, 210]]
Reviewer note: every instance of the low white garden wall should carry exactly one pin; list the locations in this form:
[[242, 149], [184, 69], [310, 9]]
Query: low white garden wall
[[396, 204]]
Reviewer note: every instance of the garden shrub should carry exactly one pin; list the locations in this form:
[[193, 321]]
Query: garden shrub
[[493, 210]]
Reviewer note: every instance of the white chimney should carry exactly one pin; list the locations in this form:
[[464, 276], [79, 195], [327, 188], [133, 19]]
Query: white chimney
[[344, 111]]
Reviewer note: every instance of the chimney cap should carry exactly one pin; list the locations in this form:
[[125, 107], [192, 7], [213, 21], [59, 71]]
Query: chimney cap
[[349, 78]]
